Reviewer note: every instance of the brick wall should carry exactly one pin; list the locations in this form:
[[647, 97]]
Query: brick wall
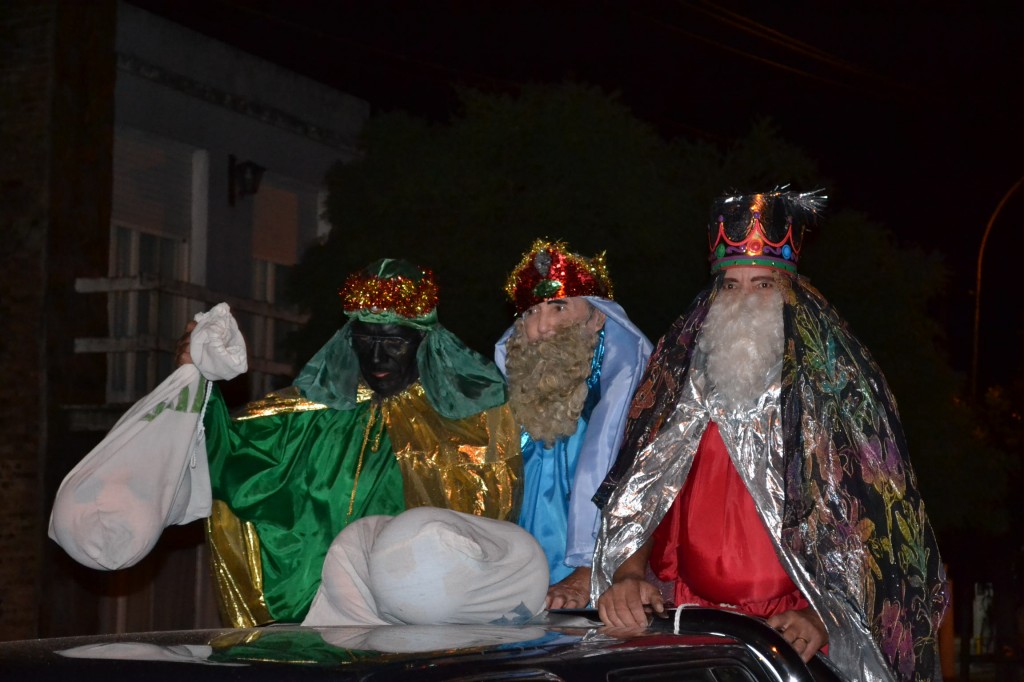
[[56, 118], [26, 63]]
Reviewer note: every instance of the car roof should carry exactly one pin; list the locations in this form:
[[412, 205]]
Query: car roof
[[707, 646]]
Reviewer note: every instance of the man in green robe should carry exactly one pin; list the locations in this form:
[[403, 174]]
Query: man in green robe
[[394, 412]]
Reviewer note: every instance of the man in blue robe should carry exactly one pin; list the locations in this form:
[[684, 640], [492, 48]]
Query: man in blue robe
[[573, 360]]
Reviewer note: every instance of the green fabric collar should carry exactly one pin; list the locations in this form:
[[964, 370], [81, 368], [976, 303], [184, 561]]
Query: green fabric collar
[[458, 381]]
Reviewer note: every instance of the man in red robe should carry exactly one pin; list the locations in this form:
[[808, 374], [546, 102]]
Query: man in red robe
[[764, 468]]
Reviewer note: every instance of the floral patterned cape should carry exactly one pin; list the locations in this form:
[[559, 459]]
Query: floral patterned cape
[[854, 528]]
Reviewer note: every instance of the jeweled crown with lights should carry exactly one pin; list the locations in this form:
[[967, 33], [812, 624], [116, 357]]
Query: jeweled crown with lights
[[762, 229], [549, 270]]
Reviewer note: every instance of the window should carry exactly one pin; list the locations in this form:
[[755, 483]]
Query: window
[[278, 211], [151, 227]]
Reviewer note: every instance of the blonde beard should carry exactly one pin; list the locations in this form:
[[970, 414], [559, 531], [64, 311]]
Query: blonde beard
[[743, 338], [547, 380]]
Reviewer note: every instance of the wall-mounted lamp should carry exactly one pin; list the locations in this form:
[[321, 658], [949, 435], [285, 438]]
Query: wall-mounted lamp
[[243, 178]]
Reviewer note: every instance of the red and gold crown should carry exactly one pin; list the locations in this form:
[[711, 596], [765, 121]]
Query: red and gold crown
[[390, 288], [549, 270], [761, 229]]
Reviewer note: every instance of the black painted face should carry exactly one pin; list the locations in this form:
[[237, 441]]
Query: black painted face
[[387, 355]]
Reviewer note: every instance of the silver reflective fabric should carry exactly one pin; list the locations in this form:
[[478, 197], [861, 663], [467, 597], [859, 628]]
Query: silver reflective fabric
[[753, 438]]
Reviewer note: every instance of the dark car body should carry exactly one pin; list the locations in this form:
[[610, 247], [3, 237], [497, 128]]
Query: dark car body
[[710, 645]]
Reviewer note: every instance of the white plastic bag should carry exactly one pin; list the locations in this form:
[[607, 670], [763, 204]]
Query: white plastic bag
[[150, 471]]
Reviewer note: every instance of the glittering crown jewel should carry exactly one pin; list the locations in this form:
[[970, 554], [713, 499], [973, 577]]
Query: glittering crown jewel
[[761, 229], [390, 287], [549, 270]]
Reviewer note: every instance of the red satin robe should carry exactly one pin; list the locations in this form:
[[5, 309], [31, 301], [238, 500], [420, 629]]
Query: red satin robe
[[714, 545]]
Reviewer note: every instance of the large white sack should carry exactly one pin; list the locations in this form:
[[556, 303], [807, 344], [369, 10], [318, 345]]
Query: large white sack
[[150, 471], [430, 566]]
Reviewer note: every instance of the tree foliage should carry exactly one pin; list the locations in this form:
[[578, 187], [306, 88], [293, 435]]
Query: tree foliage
[[467, 199], [571, 162]]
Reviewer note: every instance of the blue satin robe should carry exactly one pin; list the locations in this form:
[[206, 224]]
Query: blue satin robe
[[548, 475]]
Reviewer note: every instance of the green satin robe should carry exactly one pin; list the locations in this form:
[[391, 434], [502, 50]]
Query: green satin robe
[[289, 475], [292, 476]]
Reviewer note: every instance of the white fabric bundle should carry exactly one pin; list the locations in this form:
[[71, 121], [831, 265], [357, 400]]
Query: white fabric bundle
[[150, 471], [430, 566]]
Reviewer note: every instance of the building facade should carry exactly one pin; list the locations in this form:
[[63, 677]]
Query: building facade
[[152, 173]]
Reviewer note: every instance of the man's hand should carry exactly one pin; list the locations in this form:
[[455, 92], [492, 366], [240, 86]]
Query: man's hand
[[572, 592], [803, 629], [631, 599], [181, 351], [629, 602]]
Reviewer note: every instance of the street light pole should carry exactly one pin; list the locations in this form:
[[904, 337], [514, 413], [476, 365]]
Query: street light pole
[[977, 287]]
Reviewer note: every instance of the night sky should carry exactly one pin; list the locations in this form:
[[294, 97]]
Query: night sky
[[909, 108]]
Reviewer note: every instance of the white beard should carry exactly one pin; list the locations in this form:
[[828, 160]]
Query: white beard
[[742, 336]]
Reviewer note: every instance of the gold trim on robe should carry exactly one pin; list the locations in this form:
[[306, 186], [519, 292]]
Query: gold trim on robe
[[237, 568], [470, 465], [278, 402]]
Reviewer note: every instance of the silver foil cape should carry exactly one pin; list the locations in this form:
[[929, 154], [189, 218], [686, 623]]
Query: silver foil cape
[[659, 471]]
